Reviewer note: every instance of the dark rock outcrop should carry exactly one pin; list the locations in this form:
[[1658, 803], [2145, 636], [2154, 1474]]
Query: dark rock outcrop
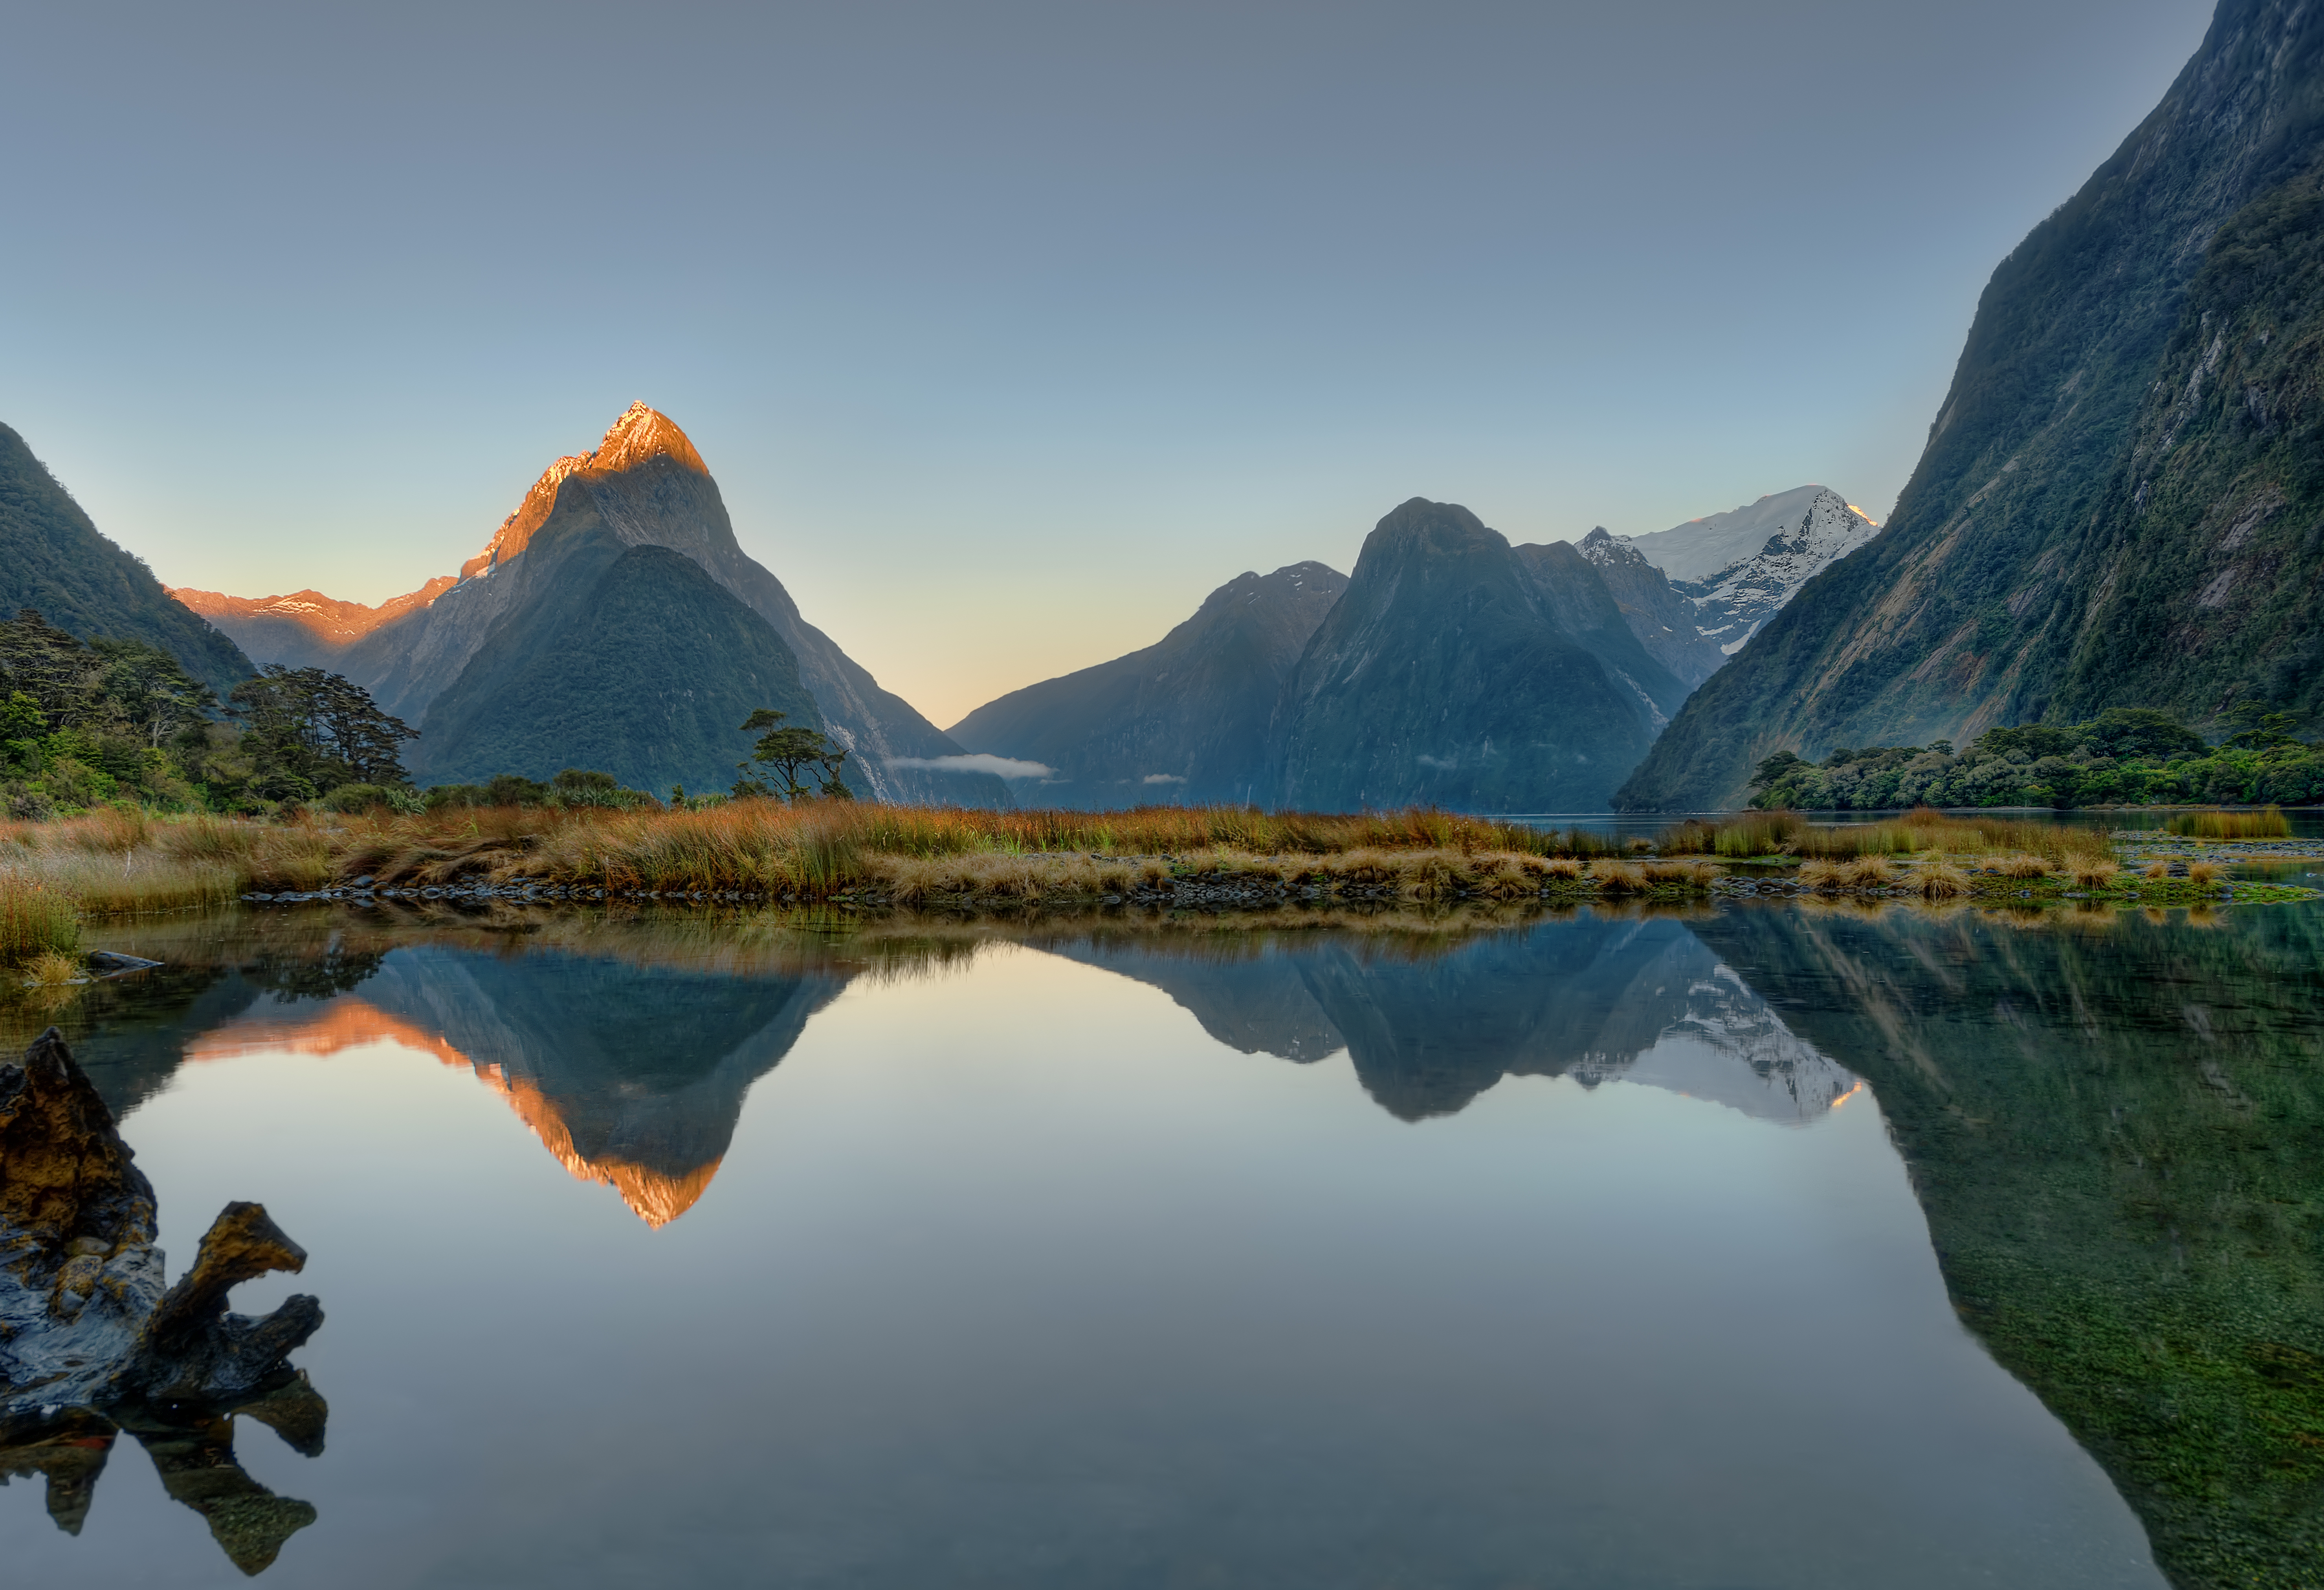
[[90, 1345]]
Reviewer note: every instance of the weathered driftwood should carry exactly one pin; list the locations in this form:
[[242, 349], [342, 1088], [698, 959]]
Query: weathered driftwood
[[92, 1346]]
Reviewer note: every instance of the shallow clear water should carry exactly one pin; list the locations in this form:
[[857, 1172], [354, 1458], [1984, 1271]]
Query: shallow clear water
[[1564, 1251]]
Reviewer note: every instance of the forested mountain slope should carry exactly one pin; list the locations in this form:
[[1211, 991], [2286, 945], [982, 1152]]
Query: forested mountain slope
[[53, 558], [2075, 533]]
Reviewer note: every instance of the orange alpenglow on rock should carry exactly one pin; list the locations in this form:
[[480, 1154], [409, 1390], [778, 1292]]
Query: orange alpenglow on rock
[[638, 437]]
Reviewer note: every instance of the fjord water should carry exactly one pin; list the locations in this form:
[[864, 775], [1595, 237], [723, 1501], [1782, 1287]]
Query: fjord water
[[1561, 1251]]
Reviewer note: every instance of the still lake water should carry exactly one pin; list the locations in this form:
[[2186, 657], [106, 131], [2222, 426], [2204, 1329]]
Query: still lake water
[[1563, 1250]]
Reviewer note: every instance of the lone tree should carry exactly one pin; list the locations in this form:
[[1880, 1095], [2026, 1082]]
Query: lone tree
[[308, 731], [789, 753]]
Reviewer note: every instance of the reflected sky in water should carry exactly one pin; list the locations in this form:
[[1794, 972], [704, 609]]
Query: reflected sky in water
[[1546, 1255]]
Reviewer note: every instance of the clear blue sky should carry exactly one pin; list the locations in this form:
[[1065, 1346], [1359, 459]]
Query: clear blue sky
[[1012, 330]]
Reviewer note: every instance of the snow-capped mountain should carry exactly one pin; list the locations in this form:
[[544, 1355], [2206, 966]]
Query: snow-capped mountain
[[1736, 568], [1733, 603], [1702, 548]]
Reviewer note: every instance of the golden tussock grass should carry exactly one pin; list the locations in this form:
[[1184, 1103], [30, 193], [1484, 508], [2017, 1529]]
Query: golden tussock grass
[[1774, 833], [2267, 823], [2095, 874], [51, 968], [2158, 871], [2202, 874], [1941, 880], [2024, 865], [114, 862]]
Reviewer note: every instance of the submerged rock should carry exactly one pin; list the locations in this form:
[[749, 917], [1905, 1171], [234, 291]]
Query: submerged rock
[[91, 1344]]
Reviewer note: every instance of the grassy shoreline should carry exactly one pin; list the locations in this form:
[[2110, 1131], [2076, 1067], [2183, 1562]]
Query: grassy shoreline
[[116, 862]]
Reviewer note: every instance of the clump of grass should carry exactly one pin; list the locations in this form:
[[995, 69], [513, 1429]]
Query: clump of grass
[[2158, 872], [1822, 875], [35, 921], [2267, 823], [51, 968], [1562, 870], [2025, 866], [2095, 874], [1941, 880], [2202, 874], [1619, 877], [1871, 872]]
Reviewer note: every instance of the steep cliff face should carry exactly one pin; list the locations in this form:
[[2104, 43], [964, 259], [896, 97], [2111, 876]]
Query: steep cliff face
[[1185, 719], [1444, 676], [53, 558], [646, 486], [2055, 464]]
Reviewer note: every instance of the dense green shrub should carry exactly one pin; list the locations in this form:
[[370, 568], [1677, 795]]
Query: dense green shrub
[[2125, 755]]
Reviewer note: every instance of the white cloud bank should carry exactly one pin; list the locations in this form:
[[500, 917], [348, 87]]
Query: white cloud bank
[[982, 762], [1161, 779]]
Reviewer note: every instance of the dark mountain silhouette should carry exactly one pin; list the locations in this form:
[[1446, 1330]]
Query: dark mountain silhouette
[[2121, 501], [633, 661], [1459, 670], [1185, 719], [53, 558]]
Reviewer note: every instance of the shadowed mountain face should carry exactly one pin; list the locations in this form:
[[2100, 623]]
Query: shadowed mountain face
[[2120, 501], [635, 663], [1430, 1025], [2117, 1137], [1187, 719], [1448, 673], [53, 558]]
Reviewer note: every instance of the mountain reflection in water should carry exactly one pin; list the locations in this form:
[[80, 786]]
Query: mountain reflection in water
[[2114, 1123], [628, 1053]]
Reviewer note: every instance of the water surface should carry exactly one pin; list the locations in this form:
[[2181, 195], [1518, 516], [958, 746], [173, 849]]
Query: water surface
[[1570, 1251]]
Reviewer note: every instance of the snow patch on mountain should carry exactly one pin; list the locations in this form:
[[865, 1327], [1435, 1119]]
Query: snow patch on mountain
[[1735, 601]]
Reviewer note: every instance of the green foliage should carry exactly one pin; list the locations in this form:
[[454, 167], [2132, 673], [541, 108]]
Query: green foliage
[[2125, 755], [787, 752], [307, 732], [575, 788], [83, 725]]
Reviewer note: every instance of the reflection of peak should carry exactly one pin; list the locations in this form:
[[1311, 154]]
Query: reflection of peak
[[638, 437], [657, 1196], [1595, 998], [631, 1076]]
